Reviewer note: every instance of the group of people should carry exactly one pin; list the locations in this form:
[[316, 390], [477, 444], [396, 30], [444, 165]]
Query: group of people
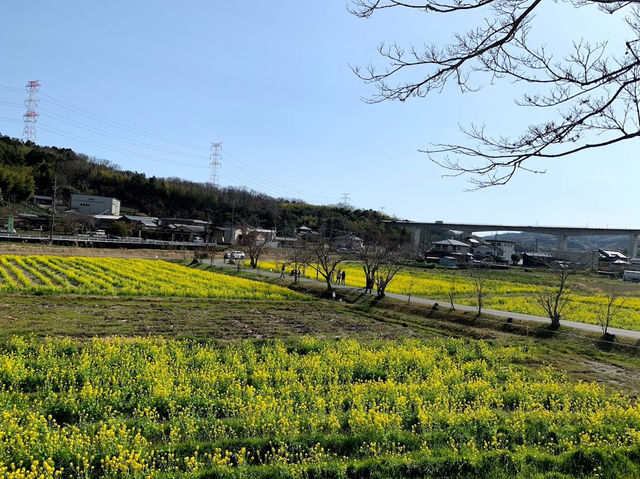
[[340, 275], [294, 272]]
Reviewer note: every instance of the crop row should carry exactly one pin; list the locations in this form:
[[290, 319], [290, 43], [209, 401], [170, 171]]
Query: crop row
[[147, 407], [116, 276]]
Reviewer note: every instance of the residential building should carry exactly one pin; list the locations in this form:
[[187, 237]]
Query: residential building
[[495, 250], [451, 247], [95, 205], [349, 241]]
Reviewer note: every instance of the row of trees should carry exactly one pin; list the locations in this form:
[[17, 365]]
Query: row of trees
[[381, 259], [555, 299]]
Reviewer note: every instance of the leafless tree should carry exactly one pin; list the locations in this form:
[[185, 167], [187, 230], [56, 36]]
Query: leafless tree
[[609, 309], [253, 243], [452, 292], [325, 260], [298, 258], [391, 264], [479, 278], [371, 256], [590, 94], [555, 300]]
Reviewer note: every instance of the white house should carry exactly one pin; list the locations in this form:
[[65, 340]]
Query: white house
[[95, 205], [500, 250]]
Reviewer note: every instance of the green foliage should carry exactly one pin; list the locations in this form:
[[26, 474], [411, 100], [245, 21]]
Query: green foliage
[[118, 228], [16, 181]]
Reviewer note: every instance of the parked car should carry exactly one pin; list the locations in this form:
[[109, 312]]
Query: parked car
[[197, 239], [234, 255], [114, 237]]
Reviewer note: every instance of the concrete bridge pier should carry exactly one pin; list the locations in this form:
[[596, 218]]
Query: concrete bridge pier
[[417, 232], [633, 245], [562, 242]]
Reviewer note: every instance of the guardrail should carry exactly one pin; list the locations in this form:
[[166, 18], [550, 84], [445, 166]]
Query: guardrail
[[79, 240]]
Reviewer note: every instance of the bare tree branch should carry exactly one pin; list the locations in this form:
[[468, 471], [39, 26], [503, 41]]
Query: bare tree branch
[[593, 88]]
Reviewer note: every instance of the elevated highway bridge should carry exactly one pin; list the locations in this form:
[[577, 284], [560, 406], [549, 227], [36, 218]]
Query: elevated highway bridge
[[561, 232]]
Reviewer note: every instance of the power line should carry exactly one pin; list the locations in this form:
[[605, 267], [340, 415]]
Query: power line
[[273, 181], [116, 124], [11, 89], [82, 126], [82, 119], [12, 105], [117, 149]]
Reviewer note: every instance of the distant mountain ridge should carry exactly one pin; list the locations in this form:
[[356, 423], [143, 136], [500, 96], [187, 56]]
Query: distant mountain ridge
[[532, 242]]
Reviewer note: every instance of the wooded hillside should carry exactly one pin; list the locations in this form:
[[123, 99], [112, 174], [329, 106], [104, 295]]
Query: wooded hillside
[[27, 169]]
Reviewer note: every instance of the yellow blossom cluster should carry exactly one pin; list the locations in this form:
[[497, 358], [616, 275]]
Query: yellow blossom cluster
[[137, 277], [121, 407]]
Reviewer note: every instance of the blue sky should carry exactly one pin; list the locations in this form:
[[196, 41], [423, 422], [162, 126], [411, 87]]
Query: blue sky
[[149, 85]]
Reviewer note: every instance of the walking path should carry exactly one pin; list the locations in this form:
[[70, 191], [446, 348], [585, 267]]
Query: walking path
[[592, 328]]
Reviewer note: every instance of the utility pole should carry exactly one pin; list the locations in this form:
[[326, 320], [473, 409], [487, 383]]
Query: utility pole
[[232, 241], [53, 209]]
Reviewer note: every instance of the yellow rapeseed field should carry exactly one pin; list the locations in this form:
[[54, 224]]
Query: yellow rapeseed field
[[504, 295], [117, 276], [133, 408]]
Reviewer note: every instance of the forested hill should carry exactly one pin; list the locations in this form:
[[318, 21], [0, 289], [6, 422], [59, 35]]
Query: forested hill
[[26, 168]]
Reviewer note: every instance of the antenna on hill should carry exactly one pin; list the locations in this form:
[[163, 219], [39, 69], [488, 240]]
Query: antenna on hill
[[31, 116], [215, 164], [345, 200]]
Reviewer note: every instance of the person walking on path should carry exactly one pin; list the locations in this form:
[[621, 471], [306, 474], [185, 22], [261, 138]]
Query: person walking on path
[[282, 272], [343, 276]]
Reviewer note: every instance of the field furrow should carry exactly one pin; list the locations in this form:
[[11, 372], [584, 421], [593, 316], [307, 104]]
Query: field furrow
[[112, 276]]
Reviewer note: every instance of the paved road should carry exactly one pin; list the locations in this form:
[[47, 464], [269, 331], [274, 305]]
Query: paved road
[[494, 312]]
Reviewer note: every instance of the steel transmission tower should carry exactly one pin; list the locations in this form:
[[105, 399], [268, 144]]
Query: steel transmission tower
[[31, 116], [215, 164]]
